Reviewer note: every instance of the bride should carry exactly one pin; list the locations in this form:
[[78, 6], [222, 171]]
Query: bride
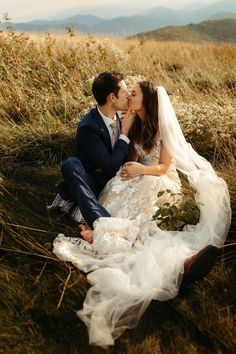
[[129, 259]]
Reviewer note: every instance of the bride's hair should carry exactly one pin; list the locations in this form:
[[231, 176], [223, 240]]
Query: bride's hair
[[145, 132]]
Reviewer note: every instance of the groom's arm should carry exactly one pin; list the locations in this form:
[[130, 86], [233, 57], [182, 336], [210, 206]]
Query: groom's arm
[[96, 151]]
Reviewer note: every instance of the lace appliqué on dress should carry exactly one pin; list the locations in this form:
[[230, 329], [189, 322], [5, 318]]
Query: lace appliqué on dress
[[151, 157]]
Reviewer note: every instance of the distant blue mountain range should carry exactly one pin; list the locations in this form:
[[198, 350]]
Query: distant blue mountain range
[[144, 20]]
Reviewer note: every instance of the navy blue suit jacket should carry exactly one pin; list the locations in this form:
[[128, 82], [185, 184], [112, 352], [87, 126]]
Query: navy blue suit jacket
[[93, 147]]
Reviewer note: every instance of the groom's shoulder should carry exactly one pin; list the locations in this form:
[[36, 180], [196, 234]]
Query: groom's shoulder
[[89, 118]]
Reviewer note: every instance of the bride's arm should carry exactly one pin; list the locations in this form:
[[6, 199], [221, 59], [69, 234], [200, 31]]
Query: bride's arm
[[161, 168], [134, 169]]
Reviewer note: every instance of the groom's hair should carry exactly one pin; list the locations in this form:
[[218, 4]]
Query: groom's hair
[[104, 84]]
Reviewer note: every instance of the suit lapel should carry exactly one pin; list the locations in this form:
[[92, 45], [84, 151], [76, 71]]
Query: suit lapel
[[102, 126]]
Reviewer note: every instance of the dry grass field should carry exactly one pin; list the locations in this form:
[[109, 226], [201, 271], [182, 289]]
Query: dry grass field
[[45, 85]]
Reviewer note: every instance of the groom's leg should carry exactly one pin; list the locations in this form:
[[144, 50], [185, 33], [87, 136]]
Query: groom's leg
[[80, 184]]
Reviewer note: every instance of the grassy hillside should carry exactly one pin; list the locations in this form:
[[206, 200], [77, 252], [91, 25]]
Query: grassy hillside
[[207, 31], [44, 89]]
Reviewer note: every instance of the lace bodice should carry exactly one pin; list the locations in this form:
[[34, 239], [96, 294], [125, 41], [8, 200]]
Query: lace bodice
[[148, 158], [154, 157]]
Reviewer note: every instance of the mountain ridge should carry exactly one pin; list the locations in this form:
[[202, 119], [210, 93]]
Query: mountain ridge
[[206, 31], [222, 15], [145, 20]]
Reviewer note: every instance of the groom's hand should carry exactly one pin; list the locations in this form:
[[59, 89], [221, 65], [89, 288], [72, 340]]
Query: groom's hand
[[131, 170], [127, 119]]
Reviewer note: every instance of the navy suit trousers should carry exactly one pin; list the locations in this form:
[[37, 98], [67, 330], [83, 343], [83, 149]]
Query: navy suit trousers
[[83, 188]]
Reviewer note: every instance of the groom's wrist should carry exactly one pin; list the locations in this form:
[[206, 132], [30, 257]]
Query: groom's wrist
[[124, 132], [125, 138]]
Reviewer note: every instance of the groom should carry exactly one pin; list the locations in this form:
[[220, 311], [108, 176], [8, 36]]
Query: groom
[[102, 145]]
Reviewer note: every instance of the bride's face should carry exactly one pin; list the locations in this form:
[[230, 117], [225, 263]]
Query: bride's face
[[136, 99]]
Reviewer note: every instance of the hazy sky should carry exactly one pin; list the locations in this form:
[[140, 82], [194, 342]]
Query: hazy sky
[[26, 10]]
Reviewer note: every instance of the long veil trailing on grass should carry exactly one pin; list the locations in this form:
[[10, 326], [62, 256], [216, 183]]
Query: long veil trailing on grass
[[212, 193], [124, 284]]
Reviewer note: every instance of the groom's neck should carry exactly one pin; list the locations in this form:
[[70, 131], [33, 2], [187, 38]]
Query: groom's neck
[[107, 111]]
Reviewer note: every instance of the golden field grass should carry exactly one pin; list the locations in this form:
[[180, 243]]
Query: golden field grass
[[45, 83]]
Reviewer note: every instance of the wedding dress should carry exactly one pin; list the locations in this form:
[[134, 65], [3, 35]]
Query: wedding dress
[[133, 261]]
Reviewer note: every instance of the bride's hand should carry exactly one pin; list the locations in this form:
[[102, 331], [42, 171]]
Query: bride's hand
[[131, 170]]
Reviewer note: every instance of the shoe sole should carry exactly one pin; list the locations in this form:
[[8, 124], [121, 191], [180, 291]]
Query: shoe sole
[[202, 265]]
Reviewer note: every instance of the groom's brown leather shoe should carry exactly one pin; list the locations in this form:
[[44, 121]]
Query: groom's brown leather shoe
[[200, 264]]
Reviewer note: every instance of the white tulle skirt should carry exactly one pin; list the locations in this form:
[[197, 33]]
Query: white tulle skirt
[[131, 260]]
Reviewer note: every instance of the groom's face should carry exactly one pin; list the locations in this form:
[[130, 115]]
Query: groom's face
[[121, 100]]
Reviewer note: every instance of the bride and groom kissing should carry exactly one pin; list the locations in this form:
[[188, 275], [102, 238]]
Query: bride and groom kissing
[[110, 188]]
